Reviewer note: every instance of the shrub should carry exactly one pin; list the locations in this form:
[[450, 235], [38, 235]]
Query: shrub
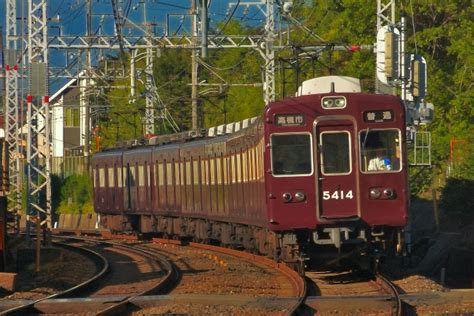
[[76, 195]]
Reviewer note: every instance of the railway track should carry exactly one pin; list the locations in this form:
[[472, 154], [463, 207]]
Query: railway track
[[350, 292], [203, 275], [144, 273], [219, 280], [102, 266]]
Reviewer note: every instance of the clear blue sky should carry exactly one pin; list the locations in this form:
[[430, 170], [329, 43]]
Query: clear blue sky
[[72, 19]]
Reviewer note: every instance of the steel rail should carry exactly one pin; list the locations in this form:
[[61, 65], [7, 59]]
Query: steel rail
[[165, 284], [98, 258], [171, 277], [390, 288], [298, 283]]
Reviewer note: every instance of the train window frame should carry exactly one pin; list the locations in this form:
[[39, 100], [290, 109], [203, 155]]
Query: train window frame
[[311, 151], [362, 150], [349, 143]]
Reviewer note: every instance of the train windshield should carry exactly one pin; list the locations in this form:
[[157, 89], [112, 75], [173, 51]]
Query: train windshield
[[380, 150], [335, 153], [291, 154]]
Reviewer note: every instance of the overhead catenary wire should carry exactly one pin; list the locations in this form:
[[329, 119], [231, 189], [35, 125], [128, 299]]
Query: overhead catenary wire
[[228, 20], [413, 26]]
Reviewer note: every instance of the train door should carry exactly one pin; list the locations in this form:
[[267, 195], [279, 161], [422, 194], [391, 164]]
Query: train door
[[336, 169]]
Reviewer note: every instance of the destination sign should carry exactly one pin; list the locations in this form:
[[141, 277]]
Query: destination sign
[[378, 116], [289, 119]]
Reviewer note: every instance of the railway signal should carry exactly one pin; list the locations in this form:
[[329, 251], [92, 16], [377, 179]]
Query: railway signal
[[388, 54]]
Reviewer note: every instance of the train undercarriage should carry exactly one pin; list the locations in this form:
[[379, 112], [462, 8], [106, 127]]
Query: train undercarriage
[[322, 247]]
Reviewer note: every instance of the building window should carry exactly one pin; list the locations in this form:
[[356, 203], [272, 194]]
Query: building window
[[72, 117]]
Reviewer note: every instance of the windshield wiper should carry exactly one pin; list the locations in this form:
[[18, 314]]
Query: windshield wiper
[[365, 138]]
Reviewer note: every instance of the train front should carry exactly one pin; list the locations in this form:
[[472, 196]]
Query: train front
[[336, 180]]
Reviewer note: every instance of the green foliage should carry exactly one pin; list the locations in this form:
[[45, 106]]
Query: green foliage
[[457, 199], [445, 30], [420, 180], [172, 72], [76, 195]]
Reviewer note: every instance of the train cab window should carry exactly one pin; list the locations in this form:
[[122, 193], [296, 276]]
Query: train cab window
[[291, 154], [380, 150], [335, 151]]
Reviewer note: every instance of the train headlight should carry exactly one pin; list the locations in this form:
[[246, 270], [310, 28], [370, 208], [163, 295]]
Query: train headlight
[[299, 197], [333, 102], [388, 193], [328, 103], [374, 193], [287, 197]]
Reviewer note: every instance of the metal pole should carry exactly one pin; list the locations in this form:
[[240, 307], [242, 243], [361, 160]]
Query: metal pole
[[194, 72], [132, 74], [402, 58], [87, 85], [149, 81], [12, 119], [204, 27], [38, 244]]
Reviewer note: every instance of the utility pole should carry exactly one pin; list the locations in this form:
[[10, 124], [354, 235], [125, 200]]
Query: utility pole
[[39, 133], [194, 70], [269, 85], [85, 90], [149, 87], [204, 28], [12, 123]]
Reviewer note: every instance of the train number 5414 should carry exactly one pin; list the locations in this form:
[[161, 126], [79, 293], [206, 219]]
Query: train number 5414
[[338, 195]]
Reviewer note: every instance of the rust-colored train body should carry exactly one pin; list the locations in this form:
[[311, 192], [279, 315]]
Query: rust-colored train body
[[323, 170]]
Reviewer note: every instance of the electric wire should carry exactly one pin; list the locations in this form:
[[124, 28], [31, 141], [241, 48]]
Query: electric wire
[[228, 20], [413, 26]]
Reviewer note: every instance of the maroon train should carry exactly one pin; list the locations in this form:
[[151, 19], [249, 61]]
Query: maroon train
[[324, 172]]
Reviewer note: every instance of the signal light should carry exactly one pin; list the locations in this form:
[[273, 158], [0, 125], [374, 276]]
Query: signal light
[[389, 54], [354, 48], [416, 68]]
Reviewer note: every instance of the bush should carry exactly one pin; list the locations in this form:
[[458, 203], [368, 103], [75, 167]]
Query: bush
[[76, 195], [457, 199]]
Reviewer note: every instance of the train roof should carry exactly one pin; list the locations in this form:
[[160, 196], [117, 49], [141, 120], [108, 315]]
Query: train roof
[[329, 84], [182, 137]]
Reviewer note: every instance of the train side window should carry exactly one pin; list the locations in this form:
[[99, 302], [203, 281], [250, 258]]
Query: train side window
[[101, 178], [111, 180], [94, 177], [380, 150], [335, 153], [291, 154], [132, 177], [141, 176]]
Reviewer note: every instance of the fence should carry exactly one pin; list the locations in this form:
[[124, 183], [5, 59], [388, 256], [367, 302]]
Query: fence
[[62, 167]]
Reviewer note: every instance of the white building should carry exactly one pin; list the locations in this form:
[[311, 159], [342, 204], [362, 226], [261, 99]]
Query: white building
[[68, 125]]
